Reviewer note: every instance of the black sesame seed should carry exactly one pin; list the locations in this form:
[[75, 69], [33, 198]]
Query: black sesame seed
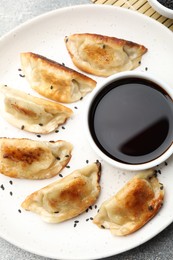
[[67, 156], [60, 175], [63, 127], [139, 62], [19, 69], [150, 207], [58, 158], [19, 210], [75, 107], [5, 85], [76, 221], [56, 131], [146, 68], [90, 207], [51, 87], [11, 193], [38, 136], [68, 166], [95, 206], [104, 46], [161, 187], [22, 76], [66, 40], [155, 174], [102, 226], [40, 124], [63, 64], [11, 182], [51, 141], [2, 187], [87, 219], [56, 212], [22, 127], [159, 171], [166, 163], [75, 225], [91, 218], [86, 210], [87, 161], [81, 98]]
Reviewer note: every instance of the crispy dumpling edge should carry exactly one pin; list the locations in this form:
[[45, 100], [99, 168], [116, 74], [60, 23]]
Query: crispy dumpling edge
[[46, 104], [104, 39], [43, 173], [152, 209], [52, 65], [29, 200]]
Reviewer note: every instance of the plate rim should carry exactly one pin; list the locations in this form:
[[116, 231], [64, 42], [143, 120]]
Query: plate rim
[[79, 6]]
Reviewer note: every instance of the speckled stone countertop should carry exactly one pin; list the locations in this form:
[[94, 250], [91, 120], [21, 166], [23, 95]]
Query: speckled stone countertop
[[13, 13]]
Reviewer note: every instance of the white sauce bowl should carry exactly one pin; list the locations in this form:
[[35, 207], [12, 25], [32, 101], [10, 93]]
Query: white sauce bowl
[[126, 166]]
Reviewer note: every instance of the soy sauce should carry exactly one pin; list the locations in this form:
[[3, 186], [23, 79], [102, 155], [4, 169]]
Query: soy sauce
[[131, 120]]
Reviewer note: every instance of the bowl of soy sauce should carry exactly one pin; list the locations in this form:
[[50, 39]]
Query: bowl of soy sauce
[[129, 120]]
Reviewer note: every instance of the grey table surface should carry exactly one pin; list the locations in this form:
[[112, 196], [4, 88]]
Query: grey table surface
[[13, 13]]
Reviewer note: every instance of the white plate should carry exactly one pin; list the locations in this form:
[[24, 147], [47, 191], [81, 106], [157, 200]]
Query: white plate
[[44, 35]]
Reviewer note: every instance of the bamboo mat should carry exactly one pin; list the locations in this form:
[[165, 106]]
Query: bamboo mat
[[141, 6]]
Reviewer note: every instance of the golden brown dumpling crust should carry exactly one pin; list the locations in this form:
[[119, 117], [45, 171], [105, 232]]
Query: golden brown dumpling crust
[[102, 55], [133, 206], [29, 159], [67, 197], [31, 113], [54, 80]]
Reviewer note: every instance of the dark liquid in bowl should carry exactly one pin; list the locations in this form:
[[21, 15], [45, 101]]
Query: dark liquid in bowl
[[131, 120]]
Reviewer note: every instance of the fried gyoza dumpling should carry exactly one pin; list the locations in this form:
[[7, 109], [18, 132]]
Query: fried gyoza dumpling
[[67, 197], [30, 113], [102, 55], [133, 206], [29, 159], [54, 80]]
